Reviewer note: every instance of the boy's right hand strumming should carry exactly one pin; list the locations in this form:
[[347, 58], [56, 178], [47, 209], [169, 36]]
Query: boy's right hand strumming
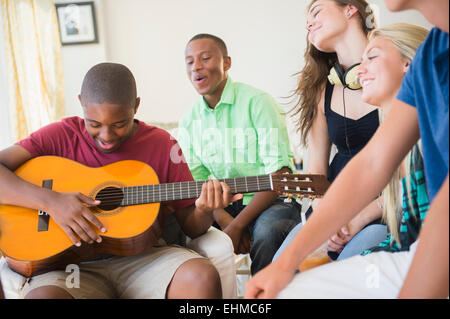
[[71, 212]]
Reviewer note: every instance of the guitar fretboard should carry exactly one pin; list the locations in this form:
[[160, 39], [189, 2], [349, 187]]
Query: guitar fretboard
[[146, 194]]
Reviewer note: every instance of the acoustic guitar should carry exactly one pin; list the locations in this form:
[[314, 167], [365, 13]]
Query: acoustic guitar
[[130, 196]]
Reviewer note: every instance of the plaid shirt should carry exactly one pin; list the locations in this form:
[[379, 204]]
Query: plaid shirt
[[414, 210]]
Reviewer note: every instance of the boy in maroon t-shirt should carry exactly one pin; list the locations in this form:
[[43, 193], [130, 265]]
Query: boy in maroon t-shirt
[[109, 133]]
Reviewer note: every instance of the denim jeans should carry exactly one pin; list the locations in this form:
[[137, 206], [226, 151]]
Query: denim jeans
[[368, 237], [268, 230]]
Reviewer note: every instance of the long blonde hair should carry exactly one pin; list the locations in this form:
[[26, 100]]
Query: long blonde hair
[[313, 76], [406, 38]]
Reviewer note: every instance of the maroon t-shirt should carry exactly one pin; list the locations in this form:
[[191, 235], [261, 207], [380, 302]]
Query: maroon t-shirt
[[69, 139]]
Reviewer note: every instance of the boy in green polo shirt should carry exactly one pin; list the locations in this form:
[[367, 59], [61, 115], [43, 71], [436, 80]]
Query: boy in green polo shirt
[[236, 130]]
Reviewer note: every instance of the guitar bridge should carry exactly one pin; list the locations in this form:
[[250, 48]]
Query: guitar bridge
[[43, 217]]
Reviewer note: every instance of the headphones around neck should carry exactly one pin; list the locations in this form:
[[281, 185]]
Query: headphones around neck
[[348, 78]]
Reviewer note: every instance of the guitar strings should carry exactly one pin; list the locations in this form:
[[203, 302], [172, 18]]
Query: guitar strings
[[169, 192], [145, 189], [229, 181], [137, 192], [158, 188], [187, 186], [146, 200]]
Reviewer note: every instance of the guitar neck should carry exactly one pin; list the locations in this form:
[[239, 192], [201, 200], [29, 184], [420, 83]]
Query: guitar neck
[[146, 194]]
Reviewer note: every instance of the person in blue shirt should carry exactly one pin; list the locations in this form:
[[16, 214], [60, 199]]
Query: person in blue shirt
[[420, 110]]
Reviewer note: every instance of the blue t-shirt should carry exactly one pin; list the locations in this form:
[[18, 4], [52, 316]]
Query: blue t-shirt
[[425, 87]]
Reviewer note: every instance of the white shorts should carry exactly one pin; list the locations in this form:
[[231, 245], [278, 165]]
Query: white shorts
[[377, 275]]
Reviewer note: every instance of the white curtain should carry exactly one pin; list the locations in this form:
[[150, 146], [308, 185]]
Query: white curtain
[[33, 65], [5, 128]]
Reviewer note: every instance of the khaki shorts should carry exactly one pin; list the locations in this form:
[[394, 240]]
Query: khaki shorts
[[142, 276]]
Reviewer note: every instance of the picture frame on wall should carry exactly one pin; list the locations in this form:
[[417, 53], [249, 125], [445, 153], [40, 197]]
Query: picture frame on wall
[[77, 23]]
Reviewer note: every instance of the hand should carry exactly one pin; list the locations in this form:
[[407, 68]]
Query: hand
[[71, 213], [338, 241], [240, 238], [268, 282], [215, 195]]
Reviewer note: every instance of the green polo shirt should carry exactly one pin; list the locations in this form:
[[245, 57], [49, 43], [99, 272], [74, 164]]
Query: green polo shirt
[[244, 135]]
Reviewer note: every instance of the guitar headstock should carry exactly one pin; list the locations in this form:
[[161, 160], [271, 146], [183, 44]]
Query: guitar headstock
[[300, 185]]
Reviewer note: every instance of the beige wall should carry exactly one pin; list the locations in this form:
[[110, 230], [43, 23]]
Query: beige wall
[[266, 40], [78, 59]]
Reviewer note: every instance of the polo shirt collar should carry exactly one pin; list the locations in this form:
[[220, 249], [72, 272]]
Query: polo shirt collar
[[228, 96]]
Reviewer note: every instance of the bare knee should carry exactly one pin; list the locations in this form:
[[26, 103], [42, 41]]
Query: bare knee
[[48, 292], [195, 279]]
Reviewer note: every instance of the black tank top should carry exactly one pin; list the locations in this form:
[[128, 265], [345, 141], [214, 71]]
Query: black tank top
[[358, 132]]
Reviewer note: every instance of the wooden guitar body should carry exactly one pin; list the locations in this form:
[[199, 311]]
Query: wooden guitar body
[[130, 196], [130, 229]]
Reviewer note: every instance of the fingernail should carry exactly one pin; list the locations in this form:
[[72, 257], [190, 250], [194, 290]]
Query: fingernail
[[78, 244], [99, 240], [103, 230]]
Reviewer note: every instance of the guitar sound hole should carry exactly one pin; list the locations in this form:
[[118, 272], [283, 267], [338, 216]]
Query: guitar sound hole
[[110, 197]]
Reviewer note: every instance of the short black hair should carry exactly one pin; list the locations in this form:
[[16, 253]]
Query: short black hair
[[109, 83], [219, 41]]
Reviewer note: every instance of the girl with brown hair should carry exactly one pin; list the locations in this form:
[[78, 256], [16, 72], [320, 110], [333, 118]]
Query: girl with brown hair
[[330, 110]]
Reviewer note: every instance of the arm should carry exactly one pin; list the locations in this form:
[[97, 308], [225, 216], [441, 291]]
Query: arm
[[235, 228], [12, 187], [428, 274], [195, 220], [360, 181], [369, 214], [319, 145], [68, 210]]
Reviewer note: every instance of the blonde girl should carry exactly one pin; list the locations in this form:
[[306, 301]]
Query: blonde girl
[[385, 62]]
